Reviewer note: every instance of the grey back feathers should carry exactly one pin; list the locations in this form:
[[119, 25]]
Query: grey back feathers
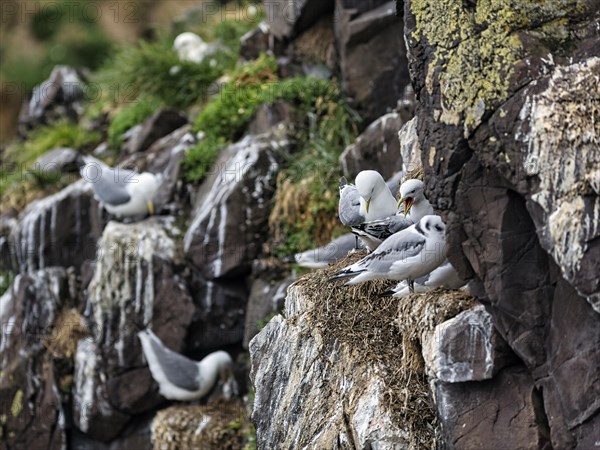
[[179, 370], [349, 204], [108, 184]]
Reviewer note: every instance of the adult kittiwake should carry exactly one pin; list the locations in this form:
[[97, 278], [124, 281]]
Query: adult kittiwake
[[180, 378], [413, 196], [443, 276], [405, 255], [123, 193], [317, 258], [376, 199], [373, 232]]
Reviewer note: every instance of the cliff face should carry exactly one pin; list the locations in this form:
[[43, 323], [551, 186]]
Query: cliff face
[[507, 98]]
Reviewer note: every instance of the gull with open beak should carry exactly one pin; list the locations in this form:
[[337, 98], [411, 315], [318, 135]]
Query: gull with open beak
[[416, 205]]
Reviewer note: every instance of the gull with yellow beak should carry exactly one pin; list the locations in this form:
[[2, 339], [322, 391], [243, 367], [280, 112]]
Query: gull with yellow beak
[[123, 193], [376, 199], [416, 205]]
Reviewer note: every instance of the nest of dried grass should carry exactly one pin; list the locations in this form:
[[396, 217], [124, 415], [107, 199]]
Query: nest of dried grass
[[417, 173], [68, 329], [216, 425], [386, 332]]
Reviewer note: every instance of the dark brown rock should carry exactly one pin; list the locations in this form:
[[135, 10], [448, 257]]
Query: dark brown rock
[[467, 348], [59, 230], [60, 96], [160, 124], [30, 401], [266, 297], [289, 18], [377, 148], [504, 109], [499, 413], [271, 115], [372, 55], [218, 319], [233, 206], [135, 285], [258, 41]]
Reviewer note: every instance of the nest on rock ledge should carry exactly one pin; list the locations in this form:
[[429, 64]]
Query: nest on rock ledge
[[386, 332], [221, 425]]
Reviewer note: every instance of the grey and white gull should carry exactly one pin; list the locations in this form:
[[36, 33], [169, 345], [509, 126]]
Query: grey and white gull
[[406, 255], [318, 258], [122, 192], [444, 276], [180, 378], [373, 232]]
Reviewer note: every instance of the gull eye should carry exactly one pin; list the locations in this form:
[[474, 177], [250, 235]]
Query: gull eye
[[439, 228]]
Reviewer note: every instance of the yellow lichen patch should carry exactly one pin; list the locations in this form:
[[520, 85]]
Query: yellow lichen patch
[[17, 404], [68, 329], [476, 48]]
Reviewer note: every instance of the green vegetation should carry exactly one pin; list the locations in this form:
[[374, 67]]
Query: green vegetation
[[19, 156], [6, 280], [131, 114]]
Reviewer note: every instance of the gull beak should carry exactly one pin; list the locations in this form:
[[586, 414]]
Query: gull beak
[[408, 202], [367, 205], [150, 207], [400, 201]]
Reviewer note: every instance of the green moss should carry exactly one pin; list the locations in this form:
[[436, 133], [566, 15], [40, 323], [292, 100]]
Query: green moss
[[19, 156], [226, 116], [132, 114], [477, 47]]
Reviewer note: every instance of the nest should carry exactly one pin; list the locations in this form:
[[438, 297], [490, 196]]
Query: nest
[[217, 425], [68, 329], [385, 332], [417, 173]]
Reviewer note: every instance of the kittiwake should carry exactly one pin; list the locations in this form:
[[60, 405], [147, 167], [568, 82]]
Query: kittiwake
[[123, 193], [443, 276], [413, 196], [180, 378], [317, 258], [405, 255]]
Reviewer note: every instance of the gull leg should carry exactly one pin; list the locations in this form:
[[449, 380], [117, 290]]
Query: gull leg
[[411, 286]]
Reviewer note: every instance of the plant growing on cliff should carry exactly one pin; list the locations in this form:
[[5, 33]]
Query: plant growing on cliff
[[130, 115]]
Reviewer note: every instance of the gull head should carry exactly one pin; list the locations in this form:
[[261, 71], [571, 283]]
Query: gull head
[[369, 183], [432, 225], [147, 186], [411, 192]]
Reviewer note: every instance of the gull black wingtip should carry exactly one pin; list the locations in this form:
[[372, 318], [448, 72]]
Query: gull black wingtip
[[387, 293]]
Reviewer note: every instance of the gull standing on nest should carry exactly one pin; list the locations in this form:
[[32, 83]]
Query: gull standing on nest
[[406, 255]]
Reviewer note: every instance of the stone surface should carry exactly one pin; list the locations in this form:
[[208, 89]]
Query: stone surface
[[326, 398], [31, 408], [57, 160], [377, 148], [501, 413], [466, 348], [287, 18], [218, 319], [372, 55], [134, 285], [258, 41], [223, 237], [266, 297], [60, 96], [410, 149], [59, 230], [159, 124], [510, 162], [269, 115]]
